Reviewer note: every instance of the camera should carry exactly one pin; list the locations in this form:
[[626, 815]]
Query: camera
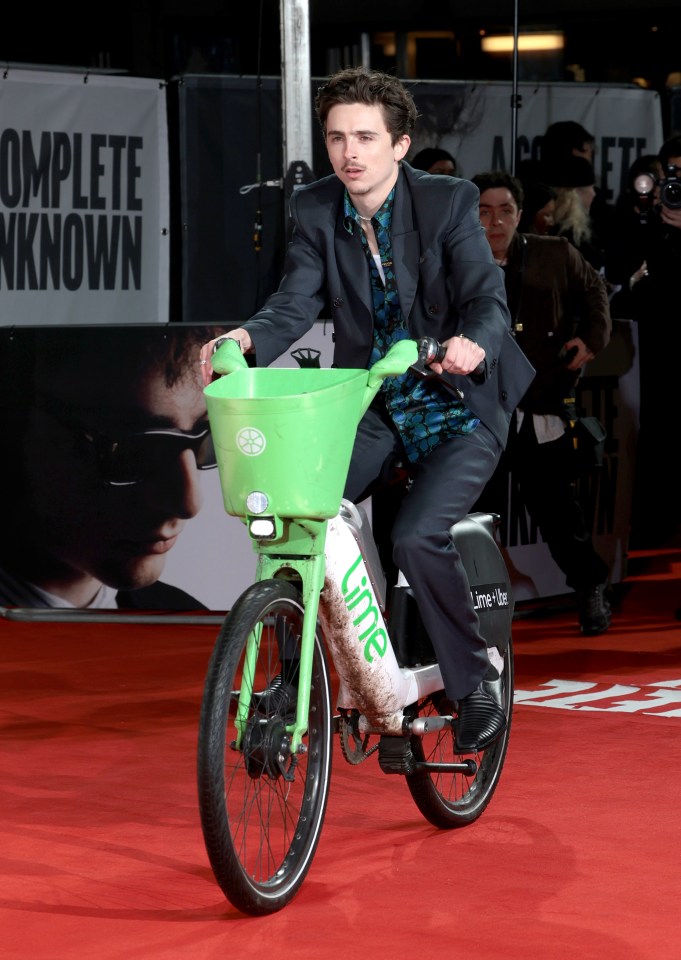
[[670, 189], [644, 190], [650, 192]]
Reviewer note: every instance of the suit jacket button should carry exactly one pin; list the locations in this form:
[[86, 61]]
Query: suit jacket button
[[338, 302], [504, 395], [432, 308]]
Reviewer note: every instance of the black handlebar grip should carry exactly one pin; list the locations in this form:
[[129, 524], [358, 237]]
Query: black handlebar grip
[[430, 351]]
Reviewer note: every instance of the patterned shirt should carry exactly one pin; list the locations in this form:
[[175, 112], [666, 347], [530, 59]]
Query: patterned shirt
[[423, 411]]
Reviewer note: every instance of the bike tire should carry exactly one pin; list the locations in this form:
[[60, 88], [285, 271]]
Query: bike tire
[[260, 829], [452, 799]]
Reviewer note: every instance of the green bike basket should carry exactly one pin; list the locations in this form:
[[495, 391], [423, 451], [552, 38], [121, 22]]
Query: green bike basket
[[288, 433]]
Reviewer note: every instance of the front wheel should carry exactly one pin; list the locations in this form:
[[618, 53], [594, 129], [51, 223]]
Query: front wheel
[[261, 806], [455, 799]]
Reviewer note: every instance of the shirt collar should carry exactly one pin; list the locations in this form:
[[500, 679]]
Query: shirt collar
[[383, 216]]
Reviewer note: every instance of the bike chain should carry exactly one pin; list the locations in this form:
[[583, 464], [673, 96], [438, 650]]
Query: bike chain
[[353, 746]]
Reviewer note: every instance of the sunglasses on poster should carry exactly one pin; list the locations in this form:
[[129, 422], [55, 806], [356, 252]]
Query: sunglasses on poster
[[134, 458]]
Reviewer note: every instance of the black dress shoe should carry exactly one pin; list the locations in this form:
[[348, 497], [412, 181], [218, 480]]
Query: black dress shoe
[[481, 719], [595, 613], [279, 697]]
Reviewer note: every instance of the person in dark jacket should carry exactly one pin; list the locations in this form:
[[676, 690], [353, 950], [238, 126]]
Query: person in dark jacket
[[561, 318], [398, 253], [646, 262]]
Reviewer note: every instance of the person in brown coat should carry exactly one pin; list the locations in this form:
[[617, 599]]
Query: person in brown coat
[[561, 319]]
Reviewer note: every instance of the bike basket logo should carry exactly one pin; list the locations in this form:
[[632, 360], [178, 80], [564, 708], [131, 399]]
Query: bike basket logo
[[250, 441]]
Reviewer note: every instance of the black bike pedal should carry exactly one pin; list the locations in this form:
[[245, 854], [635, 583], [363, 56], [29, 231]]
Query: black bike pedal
[[395, 756]]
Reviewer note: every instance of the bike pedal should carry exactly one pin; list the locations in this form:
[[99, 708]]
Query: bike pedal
[[395, 756]]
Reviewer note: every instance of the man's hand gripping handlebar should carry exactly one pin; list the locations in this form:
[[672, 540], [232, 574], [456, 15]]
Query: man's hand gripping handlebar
[[457, 355]]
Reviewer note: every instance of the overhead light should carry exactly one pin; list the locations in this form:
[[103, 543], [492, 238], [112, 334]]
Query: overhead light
[[527, 42]]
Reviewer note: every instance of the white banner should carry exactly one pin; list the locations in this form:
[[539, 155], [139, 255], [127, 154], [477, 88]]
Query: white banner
[[84, 217], [473, 121]]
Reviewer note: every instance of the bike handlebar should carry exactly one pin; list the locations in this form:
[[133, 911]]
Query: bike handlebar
[[228, 358]]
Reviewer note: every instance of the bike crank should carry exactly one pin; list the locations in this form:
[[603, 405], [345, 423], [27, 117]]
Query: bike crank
[[353, 743]]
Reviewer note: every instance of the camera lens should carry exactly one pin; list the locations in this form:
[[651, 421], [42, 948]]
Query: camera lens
[[670, 194]]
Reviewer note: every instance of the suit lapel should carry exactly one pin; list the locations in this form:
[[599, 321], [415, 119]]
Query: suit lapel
[[406, 247], [352, 265]]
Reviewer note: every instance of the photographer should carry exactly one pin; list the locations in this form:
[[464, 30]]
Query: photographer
[[646, 262]]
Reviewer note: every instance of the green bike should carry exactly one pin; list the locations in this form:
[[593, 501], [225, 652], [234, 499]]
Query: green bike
[[272, 704]]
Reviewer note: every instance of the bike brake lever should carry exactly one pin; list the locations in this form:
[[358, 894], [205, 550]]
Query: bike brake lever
[[430, 351]]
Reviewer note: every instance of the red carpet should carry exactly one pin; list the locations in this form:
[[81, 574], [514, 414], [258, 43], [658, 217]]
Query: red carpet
[[577, 856]]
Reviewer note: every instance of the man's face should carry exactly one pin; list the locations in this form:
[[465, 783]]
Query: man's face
[[84, 530], [499, 215], [362, 153]]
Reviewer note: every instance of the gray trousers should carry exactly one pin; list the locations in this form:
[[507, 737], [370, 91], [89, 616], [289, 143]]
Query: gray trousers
[[446, 485]]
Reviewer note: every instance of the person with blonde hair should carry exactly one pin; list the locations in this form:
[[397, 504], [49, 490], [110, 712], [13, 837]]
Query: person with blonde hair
[[574, 183]]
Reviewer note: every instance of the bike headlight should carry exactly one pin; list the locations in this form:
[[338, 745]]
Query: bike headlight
[[257, 502], [262, 528]]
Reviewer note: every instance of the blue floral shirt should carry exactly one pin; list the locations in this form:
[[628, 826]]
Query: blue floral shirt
[[423, 411]]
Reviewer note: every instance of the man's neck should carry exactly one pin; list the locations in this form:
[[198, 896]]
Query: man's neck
[[366, 205]]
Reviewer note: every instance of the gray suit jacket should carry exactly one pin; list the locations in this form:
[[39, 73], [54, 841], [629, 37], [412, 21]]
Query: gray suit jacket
[[446, 277]]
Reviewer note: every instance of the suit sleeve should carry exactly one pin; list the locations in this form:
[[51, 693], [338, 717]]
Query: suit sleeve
[[476, 282], [291, 311]]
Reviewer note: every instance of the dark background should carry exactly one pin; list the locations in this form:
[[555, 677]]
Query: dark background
[[607, 41]]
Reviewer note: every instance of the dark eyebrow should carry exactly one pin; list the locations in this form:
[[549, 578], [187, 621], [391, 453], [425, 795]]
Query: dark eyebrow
[[359, 133]]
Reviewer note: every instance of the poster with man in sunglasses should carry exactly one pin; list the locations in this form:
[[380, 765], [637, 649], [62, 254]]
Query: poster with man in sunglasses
[[105, 440]]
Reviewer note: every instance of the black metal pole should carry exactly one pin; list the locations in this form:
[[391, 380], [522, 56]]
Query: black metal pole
[[515, 98]]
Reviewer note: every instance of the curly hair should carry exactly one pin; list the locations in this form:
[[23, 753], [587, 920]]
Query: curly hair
[[372, 88]]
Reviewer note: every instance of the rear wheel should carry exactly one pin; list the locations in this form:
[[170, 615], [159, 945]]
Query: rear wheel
[[454, 799], [261, 806]]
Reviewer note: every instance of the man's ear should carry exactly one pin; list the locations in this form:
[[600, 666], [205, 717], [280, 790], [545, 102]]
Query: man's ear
[[401, 147]]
